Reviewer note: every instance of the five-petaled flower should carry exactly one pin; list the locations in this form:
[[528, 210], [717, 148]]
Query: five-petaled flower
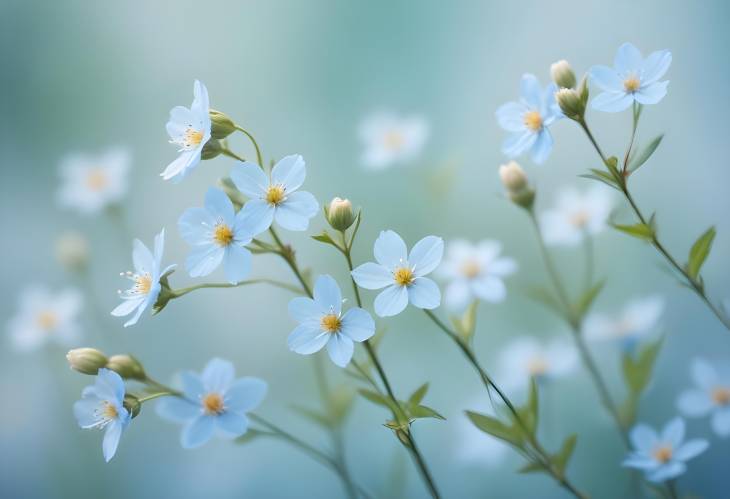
[[638, 318], [711, 396], [190, 130], [528, 120], [576, 215], [213, 402], [321, 322], [217, 235], [145, 278], [390, 139], [631, 79], [102, 406], [662, 456], [525, 358], [402, 274], [275, 197]]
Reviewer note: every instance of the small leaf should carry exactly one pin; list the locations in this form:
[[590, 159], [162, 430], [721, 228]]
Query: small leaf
[[422, 411], [325, 238], [639, 230], [532, 467], [496, 428], [645, 154], [586, 300], [562, 457], [545, 297], [637, 371], [418, 395], [384, 401], [466, 324], [602, 176], [699, 252], [612, 165], [340, 404]]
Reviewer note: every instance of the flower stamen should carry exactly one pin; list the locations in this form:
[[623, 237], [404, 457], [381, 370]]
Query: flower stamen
[[47, 320], [330, 323], [213, 403], [192, 138], [663, 454], [470, 269], [222, 234], [96, 179], [632, 84], [532, 120], [393, 140], [403, 276], [275, 194], [721, 395]]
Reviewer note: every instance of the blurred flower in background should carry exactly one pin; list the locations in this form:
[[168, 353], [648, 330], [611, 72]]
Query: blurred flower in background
[[389, 139], [90, 184], [526, 357], [576, 215], [471, 445], [636, 320], [72, 250], [709, 397]]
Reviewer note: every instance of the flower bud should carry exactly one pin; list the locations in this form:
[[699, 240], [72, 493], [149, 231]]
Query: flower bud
[[72, 251], [562, 74], [515, 181], [86, 360], [132, 404], [166, 293], [211, 149], [221, 126], [340, 214], [571, 103], [127, 367]]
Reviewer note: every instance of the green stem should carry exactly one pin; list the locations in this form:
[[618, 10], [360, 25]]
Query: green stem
[[288, 255], [231, 154], [590, 260], [672, 488], [259, 157], [158, 395], [177, 293]]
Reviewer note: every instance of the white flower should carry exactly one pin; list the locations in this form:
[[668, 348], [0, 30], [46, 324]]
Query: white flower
[[711, 396], [389, 139], [576, 215], [90, 184], [526, 358], [45, 316], [638, 318], [474, 271]]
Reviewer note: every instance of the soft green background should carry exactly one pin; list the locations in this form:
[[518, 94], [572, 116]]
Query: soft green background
[[87, 75]]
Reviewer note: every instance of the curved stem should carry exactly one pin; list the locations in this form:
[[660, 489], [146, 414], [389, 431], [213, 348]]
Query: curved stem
[[259, 157], [227, 152], [157, 395], [177, 293]]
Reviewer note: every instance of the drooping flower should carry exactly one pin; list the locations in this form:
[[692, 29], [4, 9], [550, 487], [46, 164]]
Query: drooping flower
[[711, 396], [638, 318], [631, 79], [145, 278], [475, 271], [89, 183], [576, 215], [526, 357], [45, 316], [662, 456], [321, 322], [218, 235], [389, 139], [275, 197], [528, 120], [213, 402], [190, 130], [402, 274], [102, 406]]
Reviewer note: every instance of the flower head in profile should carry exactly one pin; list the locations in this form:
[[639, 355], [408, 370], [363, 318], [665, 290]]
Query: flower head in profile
[[662, 456], [525, 358], [475, 271], [218, 235], [637, 319], [145, 280], [213, 402], [189, 129], [91, 183], [102, 406], [576, 215], [528, 119], [709, 397], [389, 139], [631, 79], [45, 316], [402, 274], [275, 197], [321, 322]]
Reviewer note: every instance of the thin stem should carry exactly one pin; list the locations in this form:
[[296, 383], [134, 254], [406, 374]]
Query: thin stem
[[590, 260], [157, 395], [231, 154], [259, 157], [288, 255], [672, 488], [177, 293]]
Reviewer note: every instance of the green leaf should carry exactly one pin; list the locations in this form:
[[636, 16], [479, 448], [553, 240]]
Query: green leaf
[[422, 411], [530, 412], [325, 238], [602, 176], [699, 252], [466, 324], [532, 467], [645, 153], [340, 404], [637, 371], [639, 230], [545, 297], [379, 399], [612, 165], [561, 459], [586, 300], [496, 428], [418, 395], [314, 416]]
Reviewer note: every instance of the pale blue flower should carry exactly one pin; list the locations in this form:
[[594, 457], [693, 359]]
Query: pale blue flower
[[321, 322], [275, 197], [631, 79], [213, 402], [189, 129], [528, 120], [218, 235], [710, 397], [146, 280], [402, 274], [662, 456], [102, 406]]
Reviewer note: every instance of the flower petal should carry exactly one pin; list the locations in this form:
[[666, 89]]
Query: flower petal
[[250, 179], [690, 449], [510, 116], [517, 143], [372, 276], [628, 59], [159, 250], [703, 374], [643, 438], [665, 472], [426, 255], [651, 94], [219, 205], [304, 309], [489, 289], [531, 91], [179, 167], [340, 349], [721, 422], [542, 146], [231, 424], [257, 216], [612, 102], [502, 267], [457, 294], [111, 439], [640, 462], [307, 339], [204, 259], [85, 411], [192, 385], [694, 403], [200, 105], [327, 295], [218, 375], [673, 432], [294, 213], [237, 263], [357, 324], [655, 66], [245, 394], [177, 410], [289, 172], [195, 226], [391, 301], [142, 257], [390, 250], [127, 306], [424, 293], [607, 79], [197, 432]]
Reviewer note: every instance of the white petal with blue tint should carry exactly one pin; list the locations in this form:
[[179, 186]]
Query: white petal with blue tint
[[643, 437], [303, 309], [327, 295], [510, 116], [607, 79], [391, 301], [655, 66], [340, 349], [204, 259], [195, 226], [197, 432], [695, 403], [690, 449], [219, 205], [542, 147], [245, 394], [673, 432], [628, 59], [289, 172], [231, 424], [217, 375], [258, 215], [112, 435], [192, 385], [651, 94], [358, 324], [178, 410], [667, 471], [424, 293], [721, 421], [372, 276], [307, 339], [250, 179], [237, 263], [519, 142], [294, 213], [531, 91], [426, 255], [390, 250], [142, 257], [612, 102]]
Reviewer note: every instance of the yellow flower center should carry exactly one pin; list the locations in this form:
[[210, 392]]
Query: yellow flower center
[[403, 276], [275, 194], [721, 395], [580, 219], [471, 269], [96, 180], [393, 140], [537, 366], [222, 234], [213, 403], [110, 412], [632, 84], [331, 323], [192, 137], [47, 320], [663, 453], [533, 120], [143, 283]]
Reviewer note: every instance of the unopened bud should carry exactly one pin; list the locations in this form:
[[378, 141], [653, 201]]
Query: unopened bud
[[127, 367], [571, 103], [221, 126], [340, 214], [132, 404], [72, 251], [515, 181], [86, 360], [562, 74], [211, 149]]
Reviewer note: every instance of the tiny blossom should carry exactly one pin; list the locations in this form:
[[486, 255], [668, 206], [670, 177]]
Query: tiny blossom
[[213, 402], [637, 319], [45, 316], [631, 79], [275, 197], [145, 278], [190, 130], [710, 397], [474, 271], [93, 183], [525, 358], [662, 456], [402, 274], [102, 406], [576, 215], [389, 139], [321, 322]]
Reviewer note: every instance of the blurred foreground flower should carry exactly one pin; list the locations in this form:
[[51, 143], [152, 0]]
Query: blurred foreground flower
[[44, 316], [711, 396], [389, 139], [525, 358], [576, 215], [637, 319], [89, 184]]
